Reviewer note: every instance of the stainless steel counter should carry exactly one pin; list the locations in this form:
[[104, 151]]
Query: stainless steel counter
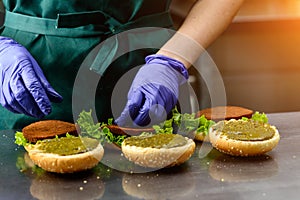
[[209, 174]]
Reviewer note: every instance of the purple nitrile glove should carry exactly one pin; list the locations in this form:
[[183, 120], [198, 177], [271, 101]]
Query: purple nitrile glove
[[154, 91], [23, 86]]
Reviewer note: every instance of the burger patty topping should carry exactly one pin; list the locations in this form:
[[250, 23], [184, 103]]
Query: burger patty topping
[[249, 130], [158, 141], [67, 145]]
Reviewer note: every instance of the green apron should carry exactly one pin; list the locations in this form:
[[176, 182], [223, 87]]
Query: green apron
[[60, 34]]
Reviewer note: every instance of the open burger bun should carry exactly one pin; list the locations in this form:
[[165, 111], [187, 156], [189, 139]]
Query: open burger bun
[[65, 163], [221, 113], [159, 157], [48, 129], [225, 113], [241, 147]]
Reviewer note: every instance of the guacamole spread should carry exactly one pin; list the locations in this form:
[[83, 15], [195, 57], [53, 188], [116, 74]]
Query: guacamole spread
[[249, 130], [163, 140], [67, 145]]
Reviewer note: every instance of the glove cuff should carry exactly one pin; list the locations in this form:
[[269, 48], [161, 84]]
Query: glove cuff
[[170, 62]]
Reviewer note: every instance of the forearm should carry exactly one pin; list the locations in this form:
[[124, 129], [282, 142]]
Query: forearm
[[204, 23]]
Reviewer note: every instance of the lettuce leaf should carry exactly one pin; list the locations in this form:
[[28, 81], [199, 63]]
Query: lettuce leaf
[[259, 117], [204, 125], [164, 127], [20, 139], [184, 123], [88, 127], [98, 130]]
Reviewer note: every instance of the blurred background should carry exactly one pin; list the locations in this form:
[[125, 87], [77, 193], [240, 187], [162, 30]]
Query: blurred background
[[258, 55]]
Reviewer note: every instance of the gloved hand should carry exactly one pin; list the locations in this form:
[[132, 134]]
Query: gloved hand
[[23, 86], [154, 91]]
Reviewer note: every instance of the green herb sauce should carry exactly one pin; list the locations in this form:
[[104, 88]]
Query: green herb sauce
[[163, 140], [249, 130], [67, 145]]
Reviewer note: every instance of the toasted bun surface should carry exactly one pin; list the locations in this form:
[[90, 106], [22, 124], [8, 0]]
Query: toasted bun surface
[[241, 148], [225, 113], [65, 164], [48, 129], [128, 131], [159, 157]]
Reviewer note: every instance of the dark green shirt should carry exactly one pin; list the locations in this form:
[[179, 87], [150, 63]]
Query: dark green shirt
[[83, 24]]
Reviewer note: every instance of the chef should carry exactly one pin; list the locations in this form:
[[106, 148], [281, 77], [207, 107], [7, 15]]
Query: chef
[[44, 42]]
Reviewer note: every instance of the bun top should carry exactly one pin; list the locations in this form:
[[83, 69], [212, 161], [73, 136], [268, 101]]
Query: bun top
[[225, 113], [48, 129], [128, 131]]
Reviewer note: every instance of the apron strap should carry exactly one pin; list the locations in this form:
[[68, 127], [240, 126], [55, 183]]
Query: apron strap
[[153, 34], [56, 27], [82, 24], [113, 47], [162, 19]]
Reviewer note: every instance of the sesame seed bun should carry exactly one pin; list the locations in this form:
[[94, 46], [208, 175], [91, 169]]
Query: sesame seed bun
[[65, 163], [159, 157], [236, 147]]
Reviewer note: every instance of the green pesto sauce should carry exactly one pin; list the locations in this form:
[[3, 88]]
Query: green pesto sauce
[[163, 140], [67, 145], [247, 130]]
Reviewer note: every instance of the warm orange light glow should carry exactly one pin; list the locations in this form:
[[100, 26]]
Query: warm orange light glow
[[262, 10], [258, 56]]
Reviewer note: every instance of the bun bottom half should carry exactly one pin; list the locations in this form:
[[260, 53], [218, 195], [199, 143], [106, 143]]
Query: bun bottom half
[[159, 158], [242, 148], [65, 164]]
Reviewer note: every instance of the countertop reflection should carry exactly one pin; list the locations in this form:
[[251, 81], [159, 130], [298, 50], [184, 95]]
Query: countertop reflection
[[209, 174]]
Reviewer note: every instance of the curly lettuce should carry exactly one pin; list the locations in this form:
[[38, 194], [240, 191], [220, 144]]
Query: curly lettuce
[[98, 130], [204, 125], [184, 123], [259, 117], [20, 139]]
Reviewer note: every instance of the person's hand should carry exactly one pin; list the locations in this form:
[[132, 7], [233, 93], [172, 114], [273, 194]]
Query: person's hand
[[23, 86], [154, 91]]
